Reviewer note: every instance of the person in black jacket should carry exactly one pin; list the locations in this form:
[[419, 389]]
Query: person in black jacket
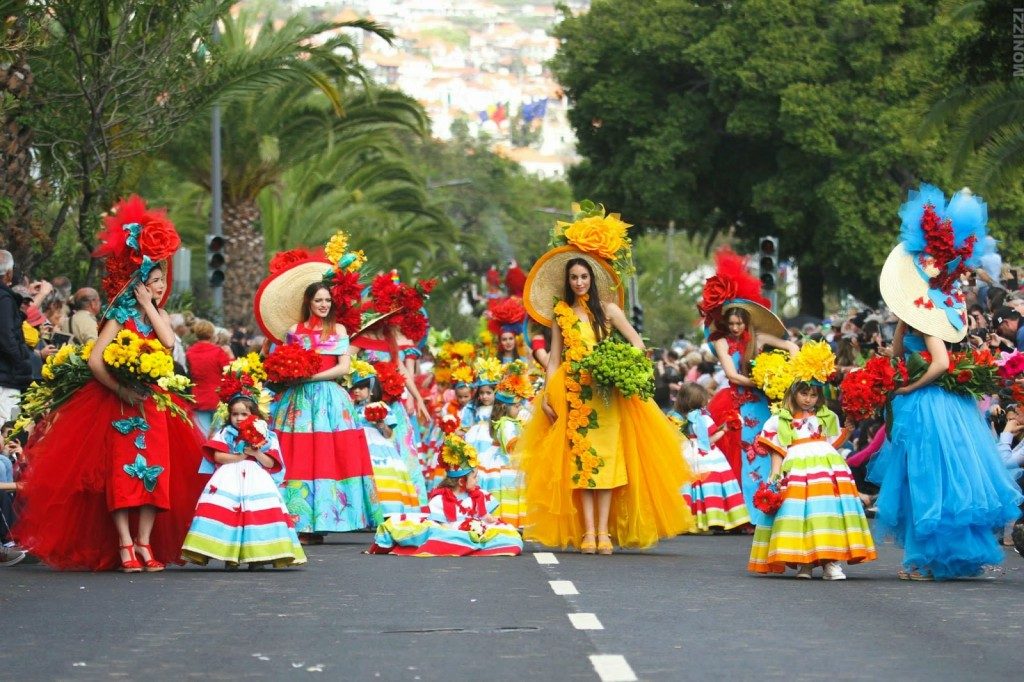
[[15, 363]]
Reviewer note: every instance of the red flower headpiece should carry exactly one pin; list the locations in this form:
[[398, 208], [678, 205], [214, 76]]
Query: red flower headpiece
[[941, 246], [133, 232], [285, 259], [730, 281], [387, 292], [505, 313], [237, 384]]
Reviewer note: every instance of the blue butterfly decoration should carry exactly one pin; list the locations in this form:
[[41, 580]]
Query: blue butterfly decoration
[[127, 425], [147, 474]]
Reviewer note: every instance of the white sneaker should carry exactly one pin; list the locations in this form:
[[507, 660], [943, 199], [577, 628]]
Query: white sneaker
[[804, 572], [833, 571]]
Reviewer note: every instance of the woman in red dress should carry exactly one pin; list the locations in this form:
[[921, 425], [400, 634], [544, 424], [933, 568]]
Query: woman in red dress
[[103, 459]]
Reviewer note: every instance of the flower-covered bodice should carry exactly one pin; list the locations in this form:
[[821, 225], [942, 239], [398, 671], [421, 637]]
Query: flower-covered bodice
[[328, 347]]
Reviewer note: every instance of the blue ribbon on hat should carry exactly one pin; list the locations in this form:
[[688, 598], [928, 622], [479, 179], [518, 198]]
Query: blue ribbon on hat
[[459, 473], [133, 230], [954, 313]]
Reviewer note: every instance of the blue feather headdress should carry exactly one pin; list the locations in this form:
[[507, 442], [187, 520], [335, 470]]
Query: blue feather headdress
[[942, 241]]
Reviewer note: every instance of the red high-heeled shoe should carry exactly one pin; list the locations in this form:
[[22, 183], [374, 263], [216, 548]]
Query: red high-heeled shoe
[[131, 564], [149, 565]]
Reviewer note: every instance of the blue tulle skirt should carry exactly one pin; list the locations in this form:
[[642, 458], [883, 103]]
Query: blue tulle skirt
[[944, 490]]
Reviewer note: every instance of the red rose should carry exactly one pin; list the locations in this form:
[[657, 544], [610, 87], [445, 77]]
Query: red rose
[[964, 376], [716, 292], [427, 285], [285, 259], [158, 239]]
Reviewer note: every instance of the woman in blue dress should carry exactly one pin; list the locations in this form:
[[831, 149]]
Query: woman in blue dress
[[944, 491], [739, 325]]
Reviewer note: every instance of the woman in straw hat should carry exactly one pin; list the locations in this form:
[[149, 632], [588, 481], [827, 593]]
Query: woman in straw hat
[[738, 324], [943, 486], [598, 468], [104, 467], [312, 300]]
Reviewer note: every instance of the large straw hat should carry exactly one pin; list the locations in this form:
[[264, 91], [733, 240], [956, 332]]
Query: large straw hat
[[371, 320], [905, 291], [278, 303], [546, 282], [761, 319]]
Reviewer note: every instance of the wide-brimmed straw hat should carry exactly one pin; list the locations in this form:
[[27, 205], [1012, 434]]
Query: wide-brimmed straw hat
[[761, 319], [278, 302], [371, 320], [905, 291], [546, 282]]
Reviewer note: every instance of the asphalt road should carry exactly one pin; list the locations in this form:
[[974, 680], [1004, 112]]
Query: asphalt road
[[685, 611]]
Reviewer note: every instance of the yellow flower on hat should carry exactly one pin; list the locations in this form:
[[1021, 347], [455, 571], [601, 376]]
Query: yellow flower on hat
[[488, 369], [336, 246], [599, 236], [462, 374], [814, 362]]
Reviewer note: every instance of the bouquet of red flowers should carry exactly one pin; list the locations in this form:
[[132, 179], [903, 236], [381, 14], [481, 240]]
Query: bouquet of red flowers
[[392, 383], [768, 499], [449, 423], [865, 391], [375, 412], [291, 363], [974, 373], [253, 431]]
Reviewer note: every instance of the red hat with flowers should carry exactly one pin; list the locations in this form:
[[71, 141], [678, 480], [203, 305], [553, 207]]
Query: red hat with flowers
[[135, 240]]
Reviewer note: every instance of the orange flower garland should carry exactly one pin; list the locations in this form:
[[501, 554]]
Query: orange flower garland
[[579, 390]]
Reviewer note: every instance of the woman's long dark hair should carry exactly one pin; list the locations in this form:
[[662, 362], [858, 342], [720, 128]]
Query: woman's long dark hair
[[307, 308], [751, 348], [600, 322]]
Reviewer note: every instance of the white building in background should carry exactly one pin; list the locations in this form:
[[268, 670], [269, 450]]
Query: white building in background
[[472, 60]]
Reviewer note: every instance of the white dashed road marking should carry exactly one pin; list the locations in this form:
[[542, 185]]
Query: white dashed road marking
[[544, 558], [563, 587], [585, 621], [612, 668]]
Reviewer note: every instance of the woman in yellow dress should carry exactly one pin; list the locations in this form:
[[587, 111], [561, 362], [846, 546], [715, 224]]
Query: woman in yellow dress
[[598, 468]]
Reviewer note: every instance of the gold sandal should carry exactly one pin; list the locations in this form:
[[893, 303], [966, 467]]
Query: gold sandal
[[587, 545], [604, 546]]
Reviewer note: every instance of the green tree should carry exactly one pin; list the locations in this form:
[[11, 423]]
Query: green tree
[[266, 134], [114, 79], [789, 117]]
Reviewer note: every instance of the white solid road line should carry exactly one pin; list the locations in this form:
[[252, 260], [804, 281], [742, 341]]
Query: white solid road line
[[585, 621], [612, 668], [563, 587], [545, 558]]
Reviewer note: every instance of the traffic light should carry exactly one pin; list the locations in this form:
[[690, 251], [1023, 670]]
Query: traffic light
[[768, 262], [216, 259], [638, 317]]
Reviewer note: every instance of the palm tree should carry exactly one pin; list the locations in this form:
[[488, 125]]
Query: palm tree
[[367, 186], [115, 79], [15, 136], [266, 134]]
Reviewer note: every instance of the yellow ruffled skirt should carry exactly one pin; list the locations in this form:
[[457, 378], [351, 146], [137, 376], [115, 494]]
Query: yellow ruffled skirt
[[639, 451]]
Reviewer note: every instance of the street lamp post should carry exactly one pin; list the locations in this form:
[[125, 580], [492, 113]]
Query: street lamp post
[[216, 228]]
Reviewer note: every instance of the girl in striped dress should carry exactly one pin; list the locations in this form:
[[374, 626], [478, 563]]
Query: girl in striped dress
[[821, 521], [396, 490], [241, 516], [714, 495]]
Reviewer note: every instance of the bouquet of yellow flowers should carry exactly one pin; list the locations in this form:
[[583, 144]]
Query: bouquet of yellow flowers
[[772, 372], [64, 372], [144, 365]]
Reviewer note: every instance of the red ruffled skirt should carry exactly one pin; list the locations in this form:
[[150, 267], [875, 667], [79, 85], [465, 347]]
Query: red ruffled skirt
[[76, 476]]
